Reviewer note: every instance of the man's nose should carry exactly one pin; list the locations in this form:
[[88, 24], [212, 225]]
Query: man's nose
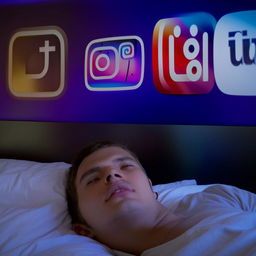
[[113, 174]]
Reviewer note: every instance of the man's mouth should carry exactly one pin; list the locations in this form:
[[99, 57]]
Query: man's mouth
[[118, 189]]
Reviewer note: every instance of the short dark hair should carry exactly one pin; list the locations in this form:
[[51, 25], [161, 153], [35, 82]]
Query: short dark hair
[[71, 192]]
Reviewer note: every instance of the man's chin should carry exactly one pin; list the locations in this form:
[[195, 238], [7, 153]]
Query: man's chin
[[126, 204]]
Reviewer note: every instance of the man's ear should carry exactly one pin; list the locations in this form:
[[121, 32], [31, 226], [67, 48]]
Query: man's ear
[[150, 183], [151, 186], [83, 230]]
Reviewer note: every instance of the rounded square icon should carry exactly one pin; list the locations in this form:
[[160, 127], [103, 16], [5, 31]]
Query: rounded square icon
[[182, 54], [235, 53], [114, 63], [100, 65], [37, 62]]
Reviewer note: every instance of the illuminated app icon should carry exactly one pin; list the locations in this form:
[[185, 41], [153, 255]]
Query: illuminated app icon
[[114, 64], [235, 53], [182, 54], [37, 62]]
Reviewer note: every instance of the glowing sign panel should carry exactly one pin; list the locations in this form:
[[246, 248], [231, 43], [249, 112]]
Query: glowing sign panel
[[182, 54], [37, 62], [114, 64], [235, 53]]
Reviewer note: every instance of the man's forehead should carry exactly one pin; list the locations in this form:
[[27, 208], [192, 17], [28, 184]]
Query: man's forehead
[[98, 157]]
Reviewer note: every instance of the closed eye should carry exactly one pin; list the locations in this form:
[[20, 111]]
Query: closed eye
[[93, 180], [126, 166]]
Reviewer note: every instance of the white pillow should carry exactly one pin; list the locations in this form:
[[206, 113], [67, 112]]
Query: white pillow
[[171, 193], [33, 212]]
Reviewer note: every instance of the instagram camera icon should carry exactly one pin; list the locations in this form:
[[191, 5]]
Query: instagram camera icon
[[37, 62], [182, 54], [114, 64]]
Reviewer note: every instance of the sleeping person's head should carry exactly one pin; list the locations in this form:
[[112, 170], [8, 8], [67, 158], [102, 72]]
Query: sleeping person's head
[[110, 199], [105, 183]]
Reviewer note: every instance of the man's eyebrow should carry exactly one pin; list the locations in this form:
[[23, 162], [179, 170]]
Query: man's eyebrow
[[125, 158], [98, 169]]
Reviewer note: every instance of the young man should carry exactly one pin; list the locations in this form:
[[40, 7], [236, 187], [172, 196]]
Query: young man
[[110, 199]]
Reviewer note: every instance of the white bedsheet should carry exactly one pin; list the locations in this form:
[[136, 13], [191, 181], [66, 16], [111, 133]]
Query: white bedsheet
[[225, 225]]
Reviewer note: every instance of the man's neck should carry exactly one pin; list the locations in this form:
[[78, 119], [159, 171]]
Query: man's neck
[[142, 229]]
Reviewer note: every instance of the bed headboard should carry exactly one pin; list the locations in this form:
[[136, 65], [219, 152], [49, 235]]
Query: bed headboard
[[209, 154]]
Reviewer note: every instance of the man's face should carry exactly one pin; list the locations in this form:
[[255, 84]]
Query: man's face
[[110, 182]]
